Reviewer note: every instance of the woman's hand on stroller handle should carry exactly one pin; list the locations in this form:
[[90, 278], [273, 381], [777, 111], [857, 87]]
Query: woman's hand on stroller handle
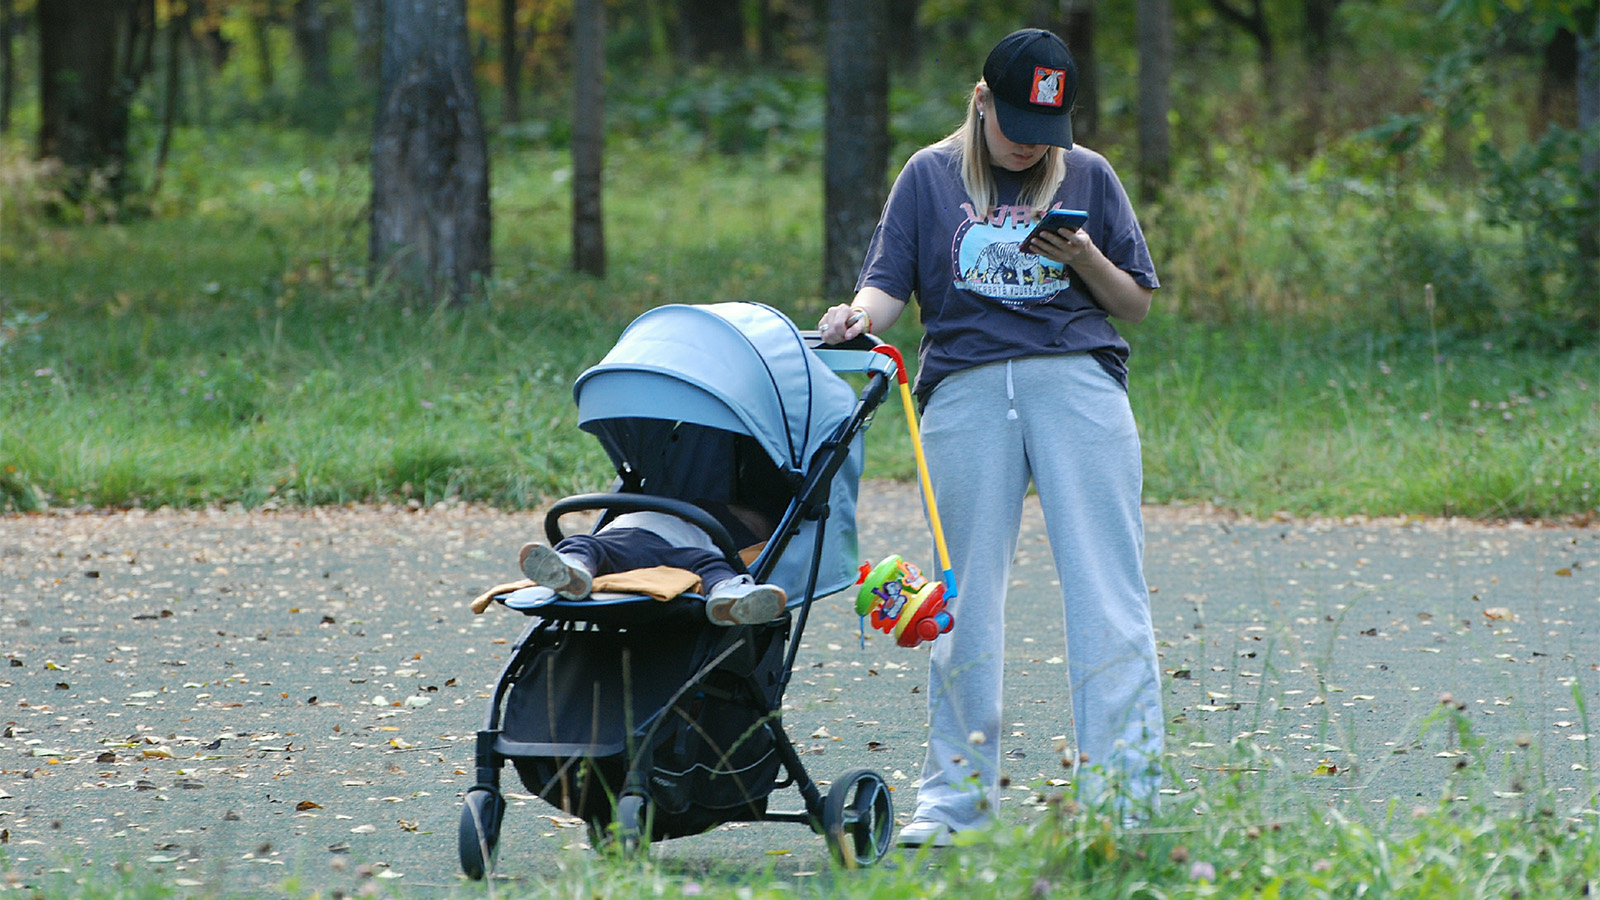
[[843, 322], [871, 312]]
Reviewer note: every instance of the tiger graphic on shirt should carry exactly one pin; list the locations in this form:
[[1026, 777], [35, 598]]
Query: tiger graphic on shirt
[[989, 261]]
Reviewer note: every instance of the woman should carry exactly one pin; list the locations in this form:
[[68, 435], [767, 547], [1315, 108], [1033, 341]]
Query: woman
[[1023, 378]]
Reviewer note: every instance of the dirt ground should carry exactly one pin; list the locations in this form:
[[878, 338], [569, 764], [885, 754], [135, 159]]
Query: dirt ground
[[282, 697]]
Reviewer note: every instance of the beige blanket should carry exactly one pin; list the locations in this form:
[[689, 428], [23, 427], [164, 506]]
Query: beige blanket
[[660, 582]]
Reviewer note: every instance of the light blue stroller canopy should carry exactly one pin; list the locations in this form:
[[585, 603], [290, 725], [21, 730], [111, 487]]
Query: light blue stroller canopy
[[682, 381]]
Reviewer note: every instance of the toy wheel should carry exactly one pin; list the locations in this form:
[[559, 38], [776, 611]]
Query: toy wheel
[[480, 831], [630, 824], [857, 818]]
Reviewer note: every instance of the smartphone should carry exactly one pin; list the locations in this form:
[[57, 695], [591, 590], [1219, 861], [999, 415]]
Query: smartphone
[[1055, 220]]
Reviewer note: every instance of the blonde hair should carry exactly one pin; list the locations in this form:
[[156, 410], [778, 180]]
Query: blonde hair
[[1039, 182]]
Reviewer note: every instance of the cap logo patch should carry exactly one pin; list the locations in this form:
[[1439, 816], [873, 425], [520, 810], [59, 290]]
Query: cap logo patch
[[1047, 86]]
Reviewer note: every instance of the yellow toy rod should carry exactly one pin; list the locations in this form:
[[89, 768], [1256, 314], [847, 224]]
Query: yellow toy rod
[[949, 575]]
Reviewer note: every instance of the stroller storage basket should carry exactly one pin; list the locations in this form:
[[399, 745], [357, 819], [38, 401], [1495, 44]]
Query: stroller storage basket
[[591, 703]]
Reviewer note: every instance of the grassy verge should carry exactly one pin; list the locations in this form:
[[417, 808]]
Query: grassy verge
[[1230, 841], [229, 350]]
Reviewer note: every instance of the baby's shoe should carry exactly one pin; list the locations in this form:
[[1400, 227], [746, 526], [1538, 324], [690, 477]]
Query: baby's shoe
[[557, 571], [740, 601]]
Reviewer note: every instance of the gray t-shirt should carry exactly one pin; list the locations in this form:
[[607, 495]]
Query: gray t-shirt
[[982, 300]]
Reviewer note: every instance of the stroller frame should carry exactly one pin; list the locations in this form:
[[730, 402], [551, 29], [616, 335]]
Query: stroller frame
[[747, 667]]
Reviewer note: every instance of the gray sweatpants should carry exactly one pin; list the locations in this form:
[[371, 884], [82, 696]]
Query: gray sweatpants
[[1064, 423]]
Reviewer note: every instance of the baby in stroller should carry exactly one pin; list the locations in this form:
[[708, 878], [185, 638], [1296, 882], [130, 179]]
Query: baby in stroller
[[643, 540], [748, 505]]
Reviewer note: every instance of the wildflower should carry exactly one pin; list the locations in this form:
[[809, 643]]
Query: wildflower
[[693, 889], [1202, 871], [1321, 865]]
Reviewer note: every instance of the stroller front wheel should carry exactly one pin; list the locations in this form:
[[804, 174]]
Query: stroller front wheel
[[630, 824], [857, 818], [480, 831]]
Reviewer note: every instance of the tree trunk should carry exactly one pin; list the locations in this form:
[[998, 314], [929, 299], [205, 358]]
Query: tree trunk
[[311, 44], [906, 49], [710, 31], [1319, 40], [588, 136], [658, 25], [1558, 84], [1155, 81], [430, 164], [1589, 123], [92, 54], [1077, 29], [8, 66], [510, 65], [856, 158], [367, 16], [261, 37], [177, 27]]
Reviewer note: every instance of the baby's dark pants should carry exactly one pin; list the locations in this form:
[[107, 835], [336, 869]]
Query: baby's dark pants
[[624, 549]]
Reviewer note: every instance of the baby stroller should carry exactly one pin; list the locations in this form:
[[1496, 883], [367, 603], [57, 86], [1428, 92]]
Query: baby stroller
[[637, 714]]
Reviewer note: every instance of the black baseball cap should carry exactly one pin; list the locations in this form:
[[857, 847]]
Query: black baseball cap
[[1033, 81]]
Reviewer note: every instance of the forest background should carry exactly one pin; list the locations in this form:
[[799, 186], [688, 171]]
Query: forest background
[[1375, 223]]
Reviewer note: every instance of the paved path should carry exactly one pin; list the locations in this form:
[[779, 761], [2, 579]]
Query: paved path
[[245, 699]]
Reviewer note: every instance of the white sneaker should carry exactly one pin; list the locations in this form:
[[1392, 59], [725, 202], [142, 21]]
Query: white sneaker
[[563, 574], [740, 601], [924, 833]]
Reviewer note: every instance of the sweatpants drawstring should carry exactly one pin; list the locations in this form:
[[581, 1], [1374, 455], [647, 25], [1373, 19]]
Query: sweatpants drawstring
[[1011, 393]]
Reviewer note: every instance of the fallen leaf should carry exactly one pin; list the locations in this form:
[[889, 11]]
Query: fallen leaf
[[1497, 613], [364, 829], [1564, 572], [304, 805], [1326, 768]]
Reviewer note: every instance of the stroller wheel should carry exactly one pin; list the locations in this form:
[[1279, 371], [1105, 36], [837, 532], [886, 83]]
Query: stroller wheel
[[857, 818], [480, 831], [630, 824]]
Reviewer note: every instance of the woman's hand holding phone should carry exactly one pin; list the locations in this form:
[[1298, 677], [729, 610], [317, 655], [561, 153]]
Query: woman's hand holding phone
[[1054, 220]]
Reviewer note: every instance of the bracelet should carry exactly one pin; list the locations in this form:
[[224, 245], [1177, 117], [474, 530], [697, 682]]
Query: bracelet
[[859, 313]]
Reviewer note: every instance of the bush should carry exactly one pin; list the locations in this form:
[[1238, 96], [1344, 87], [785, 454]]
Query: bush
[[1543, 191]]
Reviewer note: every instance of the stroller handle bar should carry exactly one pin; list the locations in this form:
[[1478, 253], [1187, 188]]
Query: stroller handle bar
[[614, 504], [855, 356]]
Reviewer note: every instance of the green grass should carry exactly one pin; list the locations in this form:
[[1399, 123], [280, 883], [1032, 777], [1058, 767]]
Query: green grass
[[1325, 424], [228, 349], [1229, 840]]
